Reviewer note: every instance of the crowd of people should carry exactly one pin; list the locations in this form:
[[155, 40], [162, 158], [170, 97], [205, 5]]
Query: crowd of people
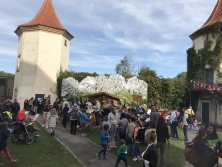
[[123, 125]]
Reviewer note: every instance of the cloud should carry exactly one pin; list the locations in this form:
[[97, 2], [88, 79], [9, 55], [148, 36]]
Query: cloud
[[153, 32], [95, 61]]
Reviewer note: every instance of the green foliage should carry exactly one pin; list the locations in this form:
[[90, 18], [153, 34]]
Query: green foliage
[[4, 74], [196, 61], [166, 92], [163, 92], [146, 71], [47, 152], [182, 75], [125, 67]]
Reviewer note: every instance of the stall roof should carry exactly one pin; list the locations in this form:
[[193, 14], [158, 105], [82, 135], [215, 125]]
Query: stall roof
[[103, 93]]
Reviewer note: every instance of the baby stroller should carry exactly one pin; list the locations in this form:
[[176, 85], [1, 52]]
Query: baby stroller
[[23, 131]]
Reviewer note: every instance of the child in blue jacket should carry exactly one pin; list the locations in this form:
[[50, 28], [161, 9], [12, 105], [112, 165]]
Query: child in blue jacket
[[84, 120], [104, 136]]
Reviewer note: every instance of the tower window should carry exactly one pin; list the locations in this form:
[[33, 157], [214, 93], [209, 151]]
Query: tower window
[[65, 42], [18, 63]]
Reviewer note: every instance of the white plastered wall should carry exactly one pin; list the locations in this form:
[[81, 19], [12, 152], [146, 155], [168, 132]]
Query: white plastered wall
[[215, 112], [42, 55]]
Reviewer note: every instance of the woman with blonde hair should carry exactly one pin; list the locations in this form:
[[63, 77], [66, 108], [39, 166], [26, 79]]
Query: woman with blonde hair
[[149, 157]]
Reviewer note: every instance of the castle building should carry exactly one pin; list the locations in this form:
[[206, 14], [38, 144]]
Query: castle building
[[209, 108], [43, 48]]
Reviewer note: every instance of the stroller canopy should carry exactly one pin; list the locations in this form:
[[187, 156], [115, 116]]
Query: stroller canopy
[[21, 116]]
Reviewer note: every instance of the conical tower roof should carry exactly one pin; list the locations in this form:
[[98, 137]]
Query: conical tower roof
[[47, 17], [216, 16]]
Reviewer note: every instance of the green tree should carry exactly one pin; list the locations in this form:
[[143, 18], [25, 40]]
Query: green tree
[[147, 71], [3, 73], [182, 75], [125, 67]]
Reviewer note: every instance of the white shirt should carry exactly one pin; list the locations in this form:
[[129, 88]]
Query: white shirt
[[145, 161], [148, 111]]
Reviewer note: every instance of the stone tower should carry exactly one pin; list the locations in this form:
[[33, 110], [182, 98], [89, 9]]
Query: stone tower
[[43, 48], [209, 101], [199, 36]]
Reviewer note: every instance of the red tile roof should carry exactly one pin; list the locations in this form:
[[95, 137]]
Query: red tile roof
[[216, 16], [46, 17]]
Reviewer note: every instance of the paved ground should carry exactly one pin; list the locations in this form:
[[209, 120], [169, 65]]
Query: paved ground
[[81, 148]]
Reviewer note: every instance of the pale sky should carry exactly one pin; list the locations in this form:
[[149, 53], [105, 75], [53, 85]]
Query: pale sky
[[155, 33]]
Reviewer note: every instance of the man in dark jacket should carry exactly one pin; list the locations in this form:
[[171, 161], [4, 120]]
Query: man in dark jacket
[[6, 105], [154, 117], [15, 110], [35, 104]]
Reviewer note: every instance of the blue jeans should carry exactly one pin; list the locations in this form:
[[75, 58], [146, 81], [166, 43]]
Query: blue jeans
[[130, 151], [174, 129], [136, 149], [195, 127], [103, 150], [191, 126], [122, 133]]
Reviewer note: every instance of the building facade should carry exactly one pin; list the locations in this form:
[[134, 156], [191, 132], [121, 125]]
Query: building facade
[[6, 87], [209, 107], [43, 48]]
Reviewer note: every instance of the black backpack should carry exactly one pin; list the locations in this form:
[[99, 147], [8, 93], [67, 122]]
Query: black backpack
[[189, 119]]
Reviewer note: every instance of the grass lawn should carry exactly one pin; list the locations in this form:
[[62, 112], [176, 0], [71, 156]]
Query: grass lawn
[[47, 152], [174, 156]]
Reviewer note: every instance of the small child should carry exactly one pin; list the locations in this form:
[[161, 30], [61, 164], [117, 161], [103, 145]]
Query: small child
[[121, 154], [5, 134], [52, 121], [104, 136], [105, 121], [65, 115], [195, 124], [84, 120]]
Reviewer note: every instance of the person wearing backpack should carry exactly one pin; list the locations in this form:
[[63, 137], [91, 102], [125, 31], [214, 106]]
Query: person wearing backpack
[[185, 124], [74, 117], [203, 151]]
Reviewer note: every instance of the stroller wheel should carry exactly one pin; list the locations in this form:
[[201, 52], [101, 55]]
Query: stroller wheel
[[14, 138], [29, 138], [36, 136]]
